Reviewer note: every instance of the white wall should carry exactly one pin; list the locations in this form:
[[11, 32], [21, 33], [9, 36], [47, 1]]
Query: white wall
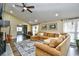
[[59, 26], [13, 22]]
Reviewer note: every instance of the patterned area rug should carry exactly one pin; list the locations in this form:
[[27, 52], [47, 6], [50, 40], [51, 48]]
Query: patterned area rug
[[26, 47], [8, 51]]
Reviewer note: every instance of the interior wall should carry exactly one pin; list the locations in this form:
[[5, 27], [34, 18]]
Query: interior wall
[[59, 26], [14, 21]]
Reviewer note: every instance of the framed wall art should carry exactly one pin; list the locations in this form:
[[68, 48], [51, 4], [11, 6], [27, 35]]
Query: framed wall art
[[53, 26], [44, 27]]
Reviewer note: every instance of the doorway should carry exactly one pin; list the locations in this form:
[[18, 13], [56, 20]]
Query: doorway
[[21, 32]]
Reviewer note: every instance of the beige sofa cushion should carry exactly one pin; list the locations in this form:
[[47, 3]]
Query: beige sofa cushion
[[55, 42], [51, 35], [39, 52], [47, 41], [45, 34], [40, 34], [47, 49], [62, 36], [56, 35]]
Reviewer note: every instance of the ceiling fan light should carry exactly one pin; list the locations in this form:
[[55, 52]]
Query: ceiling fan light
[[36, 20], [30, 22], [13, 5], [25, 8]]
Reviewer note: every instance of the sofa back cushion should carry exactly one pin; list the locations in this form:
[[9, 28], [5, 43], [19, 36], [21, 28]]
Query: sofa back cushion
[[45, 34], [62, 36], [56, 34], [64, 46], [55, 42], [41, 34], [51, 35], [65, 35], [46, 48]]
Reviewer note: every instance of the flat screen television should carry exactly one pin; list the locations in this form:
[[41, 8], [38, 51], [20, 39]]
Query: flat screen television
[[1, 9], [4, 23]]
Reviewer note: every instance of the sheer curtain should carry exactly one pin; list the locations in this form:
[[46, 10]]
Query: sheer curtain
[[77, 29], [70, 26]]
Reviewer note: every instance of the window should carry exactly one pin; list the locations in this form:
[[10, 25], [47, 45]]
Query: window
[[19, 28], [69, 27], [77, 35], [72, 37], [78, 30], [78, 26], [35, 29], [72, 27]]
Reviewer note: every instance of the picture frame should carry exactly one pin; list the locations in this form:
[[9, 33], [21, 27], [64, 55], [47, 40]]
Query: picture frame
[[44, 27], [53, 26]]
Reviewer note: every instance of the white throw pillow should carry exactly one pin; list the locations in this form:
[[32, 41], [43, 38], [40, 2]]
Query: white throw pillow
[[47, 41], [41, 34]]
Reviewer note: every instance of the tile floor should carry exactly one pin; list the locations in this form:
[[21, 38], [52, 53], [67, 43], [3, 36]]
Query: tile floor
[[8, 51], [73, 51]]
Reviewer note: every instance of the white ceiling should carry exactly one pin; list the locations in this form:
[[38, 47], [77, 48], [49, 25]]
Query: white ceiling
[[44, 12]]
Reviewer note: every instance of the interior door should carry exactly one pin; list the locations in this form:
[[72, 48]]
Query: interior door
[[19, 33], [24, 29]]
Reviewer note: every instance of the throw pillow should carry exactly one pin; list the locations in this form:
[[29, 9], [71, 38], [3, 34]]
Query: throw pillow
[[41, 34], [56, 35], [47, 41], [53, 43], [62, 36]]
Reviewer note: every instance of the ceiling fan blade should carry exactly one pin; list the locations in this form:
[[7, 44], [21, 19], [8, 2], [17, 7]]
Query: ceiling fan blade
[[23, 10], [23, 5], [19, 6], [29, 10], [30, 7]]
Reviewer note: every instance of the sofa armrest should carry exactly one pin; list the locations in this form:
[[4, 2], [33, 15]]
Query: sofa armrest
[[47, 49]]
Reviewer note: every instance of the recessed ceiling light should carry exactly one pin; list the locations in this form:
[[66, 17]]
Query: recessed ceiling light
[[13, 5], [36, 20], [56, 14], [11, 11], [30, 21]]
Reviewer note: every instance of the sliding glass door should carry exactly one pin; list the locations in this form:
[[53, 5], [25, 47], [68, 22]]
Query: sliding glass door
[[72, 27], [77, 29]]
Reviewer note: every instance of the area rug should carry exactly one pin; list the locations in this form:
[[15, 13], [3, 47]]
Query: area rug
[[8, 51], [26, 47]]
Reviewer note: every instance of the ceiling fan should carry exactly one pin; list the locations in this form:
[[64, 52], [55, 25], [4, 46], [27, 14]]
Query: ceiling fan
[[25, 7]]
